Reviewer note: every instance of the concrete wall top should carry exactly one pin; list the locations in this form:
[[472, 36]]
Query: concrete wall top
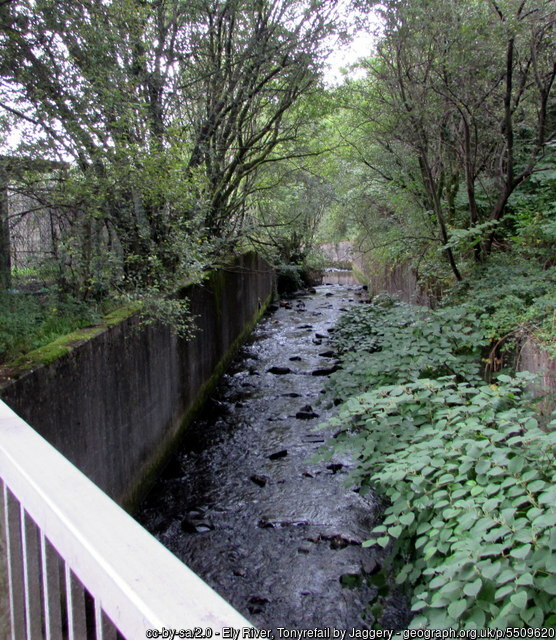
[[114, 404]]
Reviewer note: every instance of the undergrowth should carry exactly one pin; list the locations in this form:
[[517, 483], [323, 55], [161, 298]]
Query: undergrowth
[[467, 474], [30, 321], [511, 297]]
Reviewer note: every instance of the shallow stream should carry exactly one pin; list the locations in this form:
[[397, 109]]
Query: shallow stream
[[241, 503]]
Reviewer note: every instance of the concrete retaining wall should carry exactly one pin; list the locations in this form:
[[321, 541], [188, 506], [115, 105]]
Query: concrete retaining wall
[[532, 357], [115, 404], [397, 280], [342, 252]]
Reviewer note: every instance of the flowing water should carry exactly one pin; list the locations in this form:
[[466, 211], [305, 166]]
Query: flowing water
[[274, 533], [339, 276]]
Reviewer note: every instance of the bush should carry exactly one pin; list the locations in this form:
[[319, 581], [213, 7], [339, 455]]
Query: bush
[[288, 278], [510, 295], [468, 477], [396, 342], [470, 483]]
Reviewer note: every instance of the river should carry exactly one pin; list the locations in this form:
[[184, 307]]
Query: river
[[242, 504]]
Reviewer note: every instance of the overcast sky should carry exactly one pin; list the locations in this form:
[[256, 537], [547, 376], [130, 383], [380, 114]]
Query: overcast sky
[[361, 47]]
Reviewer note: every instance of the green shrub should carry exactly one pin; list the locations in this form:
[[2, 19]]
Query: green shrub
[[388, 342], [468, 477], [509, 295], [289, 278], [470, 482]]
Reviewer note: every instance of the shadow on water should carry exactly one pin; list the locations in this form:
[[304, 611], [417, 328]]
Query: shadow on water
[[242, 504]]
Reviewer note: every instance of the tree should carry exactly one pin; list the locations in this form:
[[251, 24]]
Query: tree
[[5, 246], [258, 60], [167, 110], [446, 93], [288, 216]]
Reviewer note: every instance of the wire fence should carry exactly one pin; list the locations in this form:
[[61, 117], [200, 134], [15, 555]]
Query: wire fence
[[32, 228]]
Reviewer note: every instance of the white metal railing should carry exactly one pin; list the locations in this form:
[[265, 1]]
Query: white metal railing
[[79, 566]]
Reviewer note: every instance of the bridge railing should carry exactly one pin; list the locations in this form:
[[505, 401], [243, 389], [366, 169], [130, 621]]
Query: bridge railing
[[79, 566]]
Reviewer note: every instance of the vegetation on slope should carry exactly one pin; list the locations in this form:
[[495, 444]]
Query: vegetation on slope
[[466, 471], [28, 322]]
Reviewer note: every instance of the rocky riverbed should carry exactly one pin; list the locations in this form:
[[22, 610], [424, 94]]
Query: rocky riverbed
[[274, 533]]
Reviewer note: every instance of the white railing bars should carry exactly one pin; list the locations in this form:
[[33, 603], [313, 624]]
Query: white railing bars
[[79, 566]]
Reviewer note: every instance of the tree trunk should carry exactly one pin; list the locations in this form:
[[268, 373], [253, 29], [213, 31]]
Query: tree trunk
[[437, 208], [470, 185], [5, 248]]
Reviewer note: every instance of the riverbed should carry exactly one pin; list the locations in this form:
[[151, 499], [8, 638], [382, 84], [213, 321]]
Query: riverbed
[[243, 504]]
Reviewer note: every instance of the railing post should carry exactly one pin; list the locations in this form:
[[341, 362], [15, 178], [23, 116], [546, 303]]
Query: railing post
[[14, 547], [51, 590], [77, 622], [31, 566], [105, 630]]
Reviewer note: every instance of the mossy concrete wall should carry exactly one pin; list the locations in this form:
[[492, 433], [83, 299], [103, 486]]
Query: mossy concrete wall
[[397, 279], [116, 403]]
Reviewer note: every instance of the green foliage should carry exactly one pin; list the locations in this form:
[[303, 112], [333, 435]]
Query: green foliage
[[397, 342], [510, 294], [166, 146], [28, 322], [466, 473], [36, 329], [532, 223], [173, 312], [466, 239], [315, 262], [469, 479], [289, 278], [288, 210], [440, 171]]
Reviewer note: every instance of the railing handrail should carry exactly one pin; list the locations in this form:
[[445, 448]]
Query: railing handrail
[[139, 583]]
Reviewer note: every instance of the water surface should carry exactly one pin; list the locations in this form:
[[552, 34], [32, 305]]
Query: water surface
[[242, 504]]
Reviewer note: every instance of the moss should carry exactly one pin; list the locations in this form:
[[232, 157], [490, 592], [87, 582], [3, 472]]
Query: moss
[[359, 275], [167, 448], [42, 355], [62, 346], [120, 314]]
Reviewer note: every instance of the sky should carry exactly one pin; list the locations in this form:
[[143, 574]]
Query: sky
[[361, 46], [339, 60]]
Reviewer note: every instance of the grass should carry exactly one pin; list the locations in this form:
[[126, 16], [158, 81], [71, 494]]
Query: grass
[[30, 322]]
